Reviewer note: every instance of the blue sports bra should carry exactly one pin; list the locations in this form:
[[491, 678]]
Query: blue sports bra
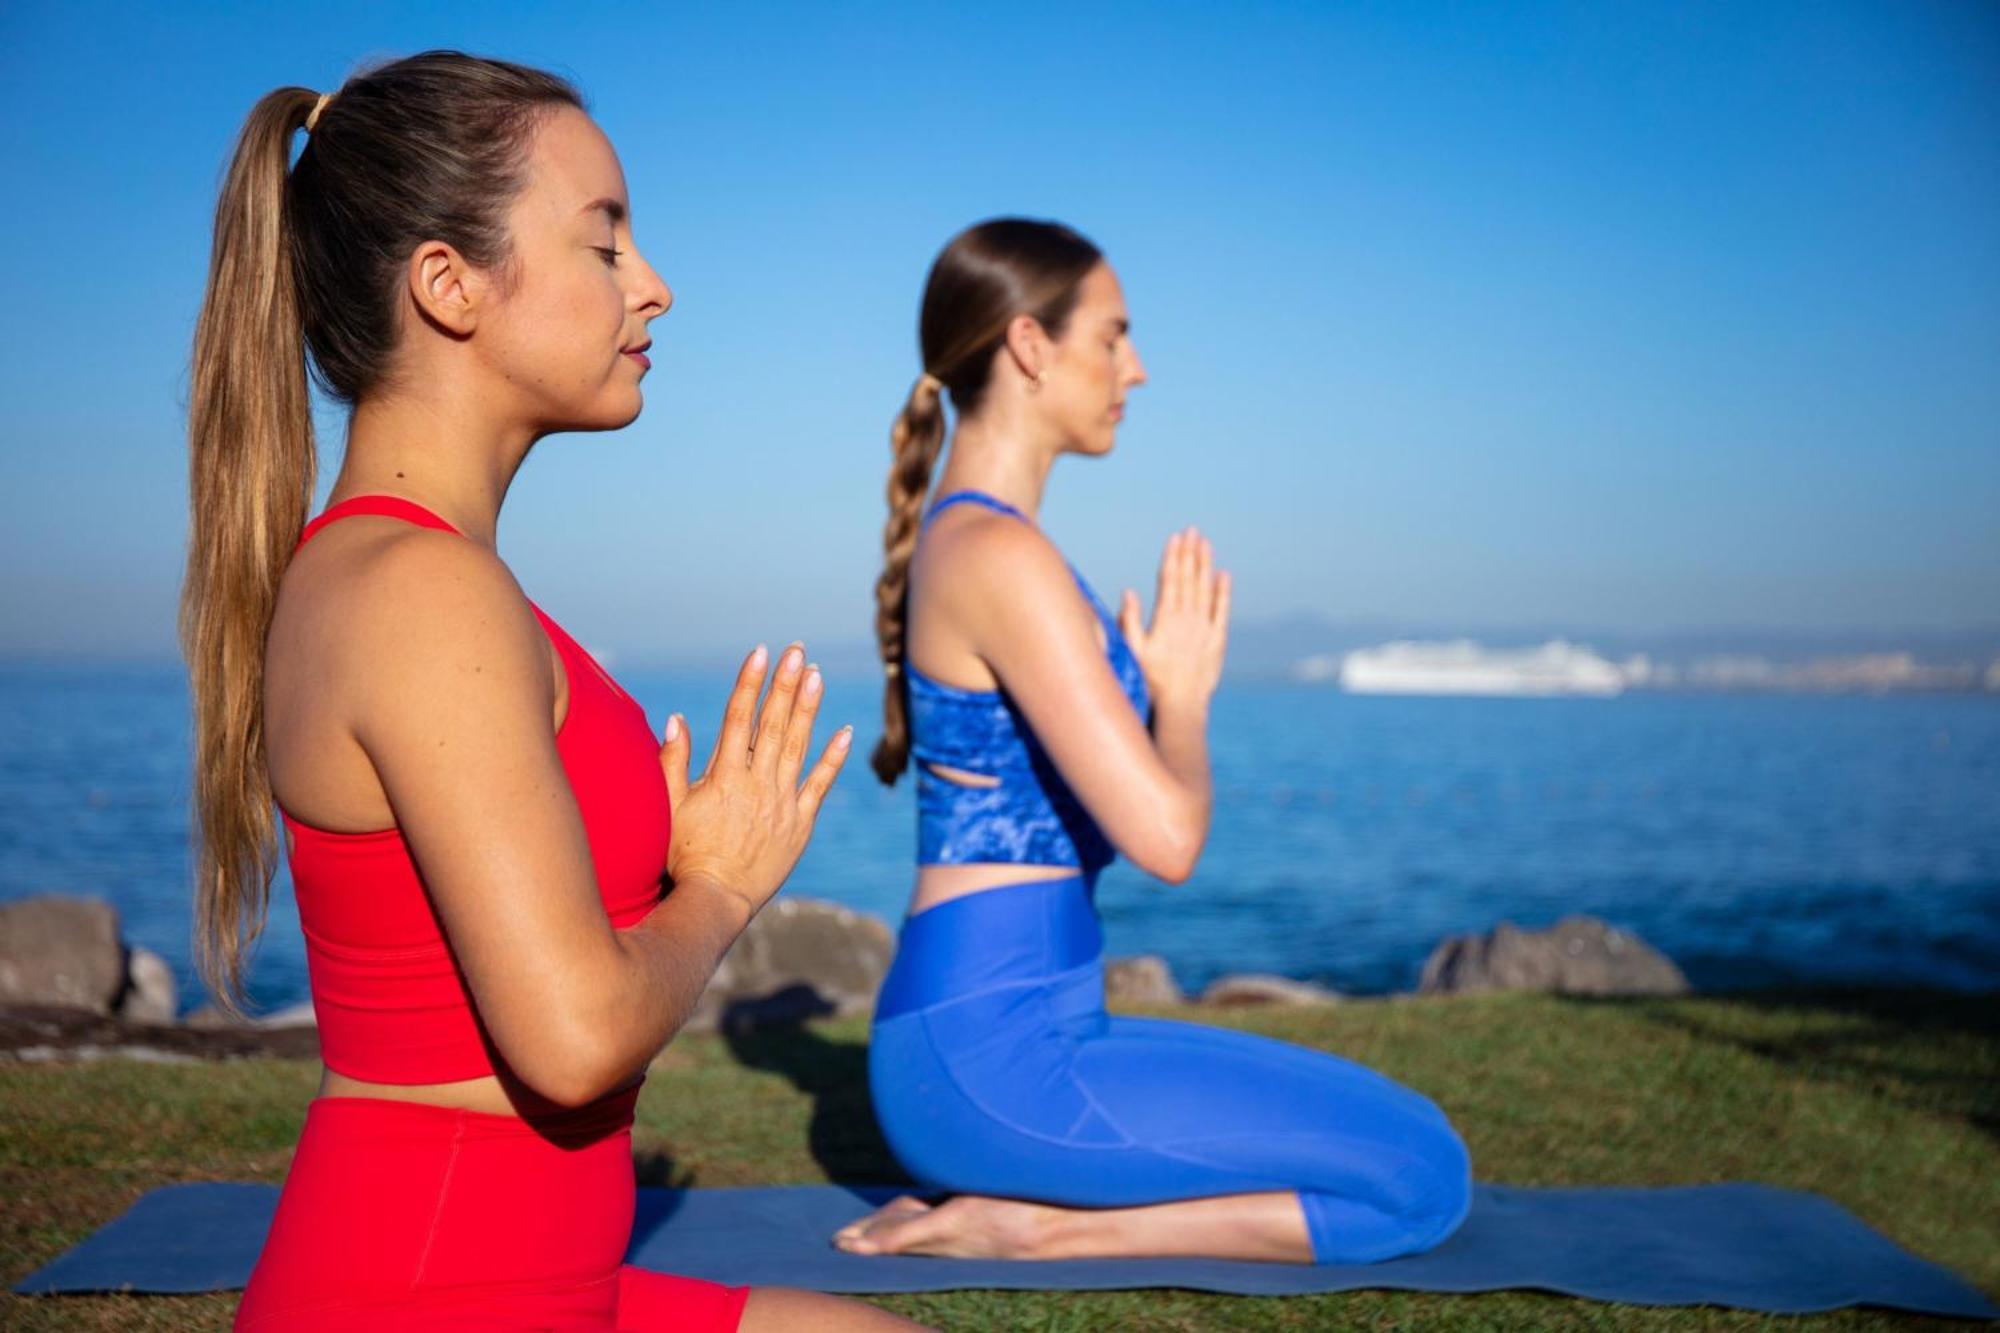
[[1030, 817]]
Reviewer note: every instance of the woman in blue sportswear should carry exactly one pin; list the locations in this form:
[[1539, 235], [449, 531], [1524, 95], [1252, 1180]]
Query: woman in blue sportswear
[[1049, 735]]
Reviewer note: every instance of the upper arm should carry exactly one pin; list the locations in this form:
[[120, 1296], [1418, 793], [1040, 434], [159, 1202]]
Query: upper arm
[[457, 724], [1020, 607]]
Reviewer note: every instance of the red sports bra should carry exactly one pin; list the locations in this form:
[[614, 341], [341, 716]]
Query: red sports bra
[[391, 1002]]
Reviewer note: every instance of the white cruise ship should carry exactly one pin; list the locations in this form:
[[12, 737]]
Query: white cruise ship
[[1463, 667]]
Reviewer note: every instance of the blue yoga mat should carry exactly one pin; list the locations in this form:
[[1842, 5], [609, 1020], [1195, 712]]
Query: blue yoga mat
[[1749, 1246]]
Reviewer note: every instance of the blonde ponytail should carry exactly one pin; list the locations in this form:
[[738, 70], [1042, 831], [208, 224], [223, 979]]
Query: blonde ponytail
[[251, 465]]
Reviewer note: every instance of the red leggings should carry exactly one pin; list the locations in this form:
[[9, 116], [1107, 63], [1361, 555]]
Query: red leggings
[[399, 1216]]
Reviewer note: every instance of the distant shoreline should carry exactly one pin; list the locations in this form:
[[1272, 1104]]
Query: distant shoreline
[[851, 675]]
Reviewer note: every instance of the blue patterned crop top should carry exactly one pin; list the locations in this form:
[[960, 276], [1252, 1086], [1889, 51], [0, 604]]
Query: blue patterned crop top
[[1030, 817]]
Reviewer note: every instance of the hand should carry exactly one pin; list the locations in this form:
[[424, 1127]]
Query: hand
[[745, 822], [1181, 651]]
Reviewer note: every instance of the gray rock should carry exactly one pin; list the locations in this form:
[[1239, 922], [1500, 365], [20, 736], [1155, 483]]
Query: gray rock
[[1145, 979], [49, 1032], [1579, 955], [149, 996], [82, 1054], [210, 1019], [300, 1015], [62, 951], [1259, 988], [800, 958]]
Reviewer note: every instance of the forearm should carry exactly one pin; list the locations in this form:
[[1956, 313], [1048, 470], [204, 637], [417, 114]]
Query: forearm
[[1180, 735], [665, 962]]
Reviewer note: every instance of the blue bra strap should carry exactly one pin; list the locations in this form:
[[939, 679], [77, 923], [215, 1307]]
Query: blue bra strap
[[981, 498]]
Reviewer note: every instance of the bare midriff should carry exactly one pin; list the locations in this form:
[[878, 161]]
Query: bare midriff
[[486, 1094], [940, 884], [490, 1094]]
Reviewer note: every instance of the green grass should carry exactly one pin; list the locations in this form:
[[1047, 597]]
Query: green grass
[[1889, 1104]]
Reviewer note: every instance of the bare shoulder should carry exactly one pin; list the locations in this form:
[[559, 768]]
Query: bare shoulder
[[999, 587], [987, 554], [388, 604]]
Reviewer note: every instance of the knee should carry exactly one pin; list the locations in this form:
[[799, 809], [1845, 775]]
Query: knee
[[1420, 1193], [1449, 1196]]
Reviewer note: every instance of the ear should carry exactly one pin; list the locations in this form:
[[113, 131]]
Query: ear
[[445, 288], [1027, 345]]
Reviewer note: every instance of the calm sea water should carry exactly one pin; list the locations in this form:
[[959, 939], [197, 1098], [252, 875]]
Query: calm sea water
[[1757, 840]]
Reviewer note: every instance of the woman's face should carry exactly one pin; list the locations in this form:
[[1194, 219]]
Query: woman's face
[[568, 335], [1092, 366]]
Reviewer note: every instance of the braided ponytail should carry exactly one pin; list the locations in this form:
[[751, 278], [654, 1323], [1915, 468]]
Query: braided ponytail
[[915, 440]]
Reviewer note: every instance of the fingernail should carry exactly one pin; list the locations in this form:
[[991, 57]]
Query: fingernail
[[673, 728], [811, 687], [791, 660], [759, 656], [844, 737]]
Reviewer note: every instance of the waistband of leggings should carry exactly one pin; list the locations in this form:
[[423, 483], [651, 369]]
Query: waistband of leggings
[[1017, 933]]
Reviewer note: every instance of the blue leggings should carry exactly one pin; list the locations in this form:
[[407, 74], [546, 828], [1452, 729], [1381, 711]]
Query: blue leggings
[[996, 1071]]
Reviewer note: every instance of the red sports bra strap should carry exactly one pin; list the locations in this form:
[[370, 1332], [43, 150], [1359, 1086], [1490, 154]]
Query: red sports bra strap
[[382, 506]]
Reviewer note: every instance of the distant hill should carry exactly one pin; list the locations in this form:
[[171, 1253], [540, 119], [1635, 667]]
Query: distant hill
[[1270, 649]]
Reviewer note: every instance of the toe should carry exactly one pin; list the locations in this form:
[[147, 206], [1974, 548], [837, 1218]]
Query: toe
[[879, 1230]]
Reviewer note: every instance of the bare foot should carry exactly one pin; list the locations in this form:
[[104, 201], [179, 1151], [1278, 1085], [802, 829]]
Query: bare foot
[[967, 1227], [854, 1236]]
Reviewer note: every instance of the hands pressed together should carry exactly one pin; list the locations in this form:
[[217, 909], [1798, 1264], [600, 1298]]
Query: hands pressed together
[[744, 823], [1181, 651]]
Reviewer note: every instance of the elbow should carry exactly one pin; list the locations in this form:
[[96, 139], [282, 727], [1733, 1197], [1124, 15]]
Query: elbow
[[1177, 869], [569, 1073], [1172, 854], [572, 1088]]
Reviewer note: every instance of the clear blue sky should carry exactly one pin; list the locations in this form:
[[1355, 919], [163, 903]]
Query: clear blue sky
[[1634, 316]]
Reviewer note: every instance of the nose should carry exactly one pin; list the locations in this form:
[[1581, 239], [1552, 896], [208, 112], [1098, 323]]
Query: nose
[[1135, 374], [653, 295]]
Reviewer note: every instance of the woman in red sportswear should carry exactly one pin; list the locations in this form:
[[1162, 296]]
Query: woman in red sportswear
[[511, 893]]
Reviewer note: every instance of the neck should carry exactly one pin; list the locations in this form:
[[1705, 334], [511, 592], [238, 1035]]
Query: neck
[[448, 456], [1000, 458]]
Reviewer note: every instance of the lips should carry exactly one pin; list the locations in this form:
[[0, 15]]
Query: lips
[[639, 354]]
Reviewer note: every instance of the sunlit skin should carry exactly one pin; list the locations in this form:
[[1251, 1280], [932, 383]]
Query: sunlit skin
[[992, 605], [409, 685], [490, 362]]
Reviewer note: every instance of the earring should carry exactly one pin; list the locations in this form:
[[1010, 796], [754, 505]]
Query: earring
[[1035, 384]]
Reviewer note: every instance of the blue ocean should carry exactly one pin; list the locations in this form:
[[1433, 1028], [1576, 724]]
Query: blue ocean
[[1758, 840]]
